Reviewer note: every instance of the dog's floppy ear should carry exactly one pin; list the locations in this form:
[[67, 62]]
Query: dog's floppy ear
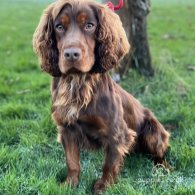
[[44, 43], [111, 41]]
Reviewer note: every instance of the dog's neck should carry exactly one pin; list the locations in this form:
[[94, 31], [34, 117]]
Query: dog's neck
[[73, 93]]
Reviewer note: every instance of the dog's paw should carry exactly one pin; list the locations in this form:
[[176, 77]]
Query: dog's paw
[[99, 187], [72, 181]]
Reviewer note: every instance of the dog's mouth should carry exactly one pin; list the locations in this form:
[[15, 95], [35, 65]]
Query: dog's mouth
[[73, 70], [75, 67]]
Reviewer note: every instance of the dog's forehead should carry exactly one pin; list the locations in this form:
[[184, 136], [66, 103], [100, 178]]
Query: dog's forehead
[[79, 12]]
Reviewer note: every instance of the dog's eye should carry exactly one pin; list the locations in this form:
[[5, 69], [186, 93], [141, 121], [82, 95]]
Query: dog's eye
[[89, 26], [59, 28]]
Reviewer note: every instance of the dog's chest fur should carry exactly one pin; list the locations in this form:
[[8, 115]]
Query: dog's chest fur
[[70, 95]]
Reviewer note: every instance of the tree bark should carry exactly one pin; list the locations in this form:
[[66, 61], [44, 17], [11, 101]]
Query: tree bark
[[134, 18]]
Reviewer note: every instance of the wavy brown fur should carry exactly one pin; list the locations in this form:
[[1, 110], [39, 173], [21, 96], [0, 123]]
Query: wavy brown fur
[[90, 110], [73, 93]]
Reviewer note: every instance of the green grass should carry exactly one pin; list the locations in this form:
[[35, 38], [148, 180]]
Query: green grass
[[32, 162]]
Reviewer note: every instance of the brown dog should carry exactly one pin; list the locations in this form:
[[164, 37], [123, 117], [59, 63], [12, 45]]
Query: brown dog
[[78, 42]]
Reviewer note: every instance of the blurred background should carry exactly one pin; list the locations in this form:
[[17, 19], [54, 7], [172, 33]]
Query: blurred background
[[32, 162]]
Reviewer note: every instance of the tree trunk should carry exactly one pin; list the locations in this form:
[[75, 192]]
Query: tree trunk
[[134, 18]]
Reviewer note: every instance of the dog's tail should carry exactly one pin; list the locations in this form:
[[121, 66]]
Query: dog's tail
[[152, 137]]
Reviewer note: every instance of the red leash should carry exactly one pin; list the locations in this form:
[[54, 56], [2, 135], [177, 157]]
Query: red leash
[[115, 7]]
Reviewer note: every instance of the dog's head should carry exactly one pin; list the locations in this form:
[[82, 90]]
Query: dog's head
[[79, 36]]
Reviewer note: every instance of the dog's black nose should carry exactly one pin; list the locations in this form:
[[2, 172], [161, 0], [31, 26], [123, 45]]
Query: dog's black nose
[[72, 54]]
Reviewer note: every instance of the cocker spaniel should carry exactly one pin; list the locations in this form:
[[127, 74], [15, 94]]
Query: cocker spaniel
[[78, 42]]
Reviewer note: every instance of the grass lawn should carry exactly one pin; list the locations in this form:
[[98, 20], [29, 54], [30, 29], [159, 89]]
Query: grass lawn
[[32, 162]]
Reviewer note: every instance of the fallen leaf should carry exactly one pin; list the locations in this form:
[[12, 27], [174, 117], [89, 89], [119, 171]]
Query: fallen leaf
[[192, 68], [181, 90], [168, 36]]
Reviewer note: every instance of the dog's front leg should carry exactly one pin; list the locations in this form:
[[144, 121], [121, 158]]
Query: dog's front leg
[[111, 168], [120, 142], [72, 153]]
